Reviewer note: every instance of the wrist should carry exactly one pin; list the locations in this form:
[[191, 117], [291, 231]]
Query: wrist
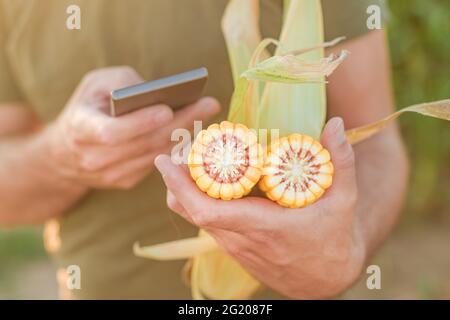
[[44, 149]]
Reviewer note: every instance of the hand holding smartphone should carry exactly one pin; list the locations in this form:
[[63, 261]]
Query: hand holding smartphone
[[175, 91]]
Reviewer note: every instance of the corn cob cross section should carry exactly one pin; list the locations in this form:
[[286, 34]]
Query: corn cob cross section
[[297, 171], [226, 160]]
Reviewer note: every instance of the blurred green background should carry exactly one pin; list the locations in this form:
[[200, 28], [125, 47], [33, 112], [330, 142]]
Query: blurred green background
[[415, 262], [420, 48]]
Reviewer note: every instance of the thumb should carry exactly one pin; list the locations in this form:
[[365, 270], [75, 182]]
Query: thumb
[[343, 158]]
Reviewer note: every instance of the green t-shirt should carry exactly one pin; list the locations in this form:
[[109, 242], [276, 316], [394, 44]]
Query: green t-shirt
[[41, 62]]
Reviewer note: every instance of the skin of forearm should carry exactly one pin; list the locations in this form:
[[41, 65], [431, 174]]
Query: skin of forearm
[[31, 191], [382, 169], [360, 92]]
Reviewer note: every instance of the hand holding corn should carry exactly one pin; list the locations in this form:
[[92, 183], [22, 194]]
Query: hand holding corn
[[316, 243], [314, 251]]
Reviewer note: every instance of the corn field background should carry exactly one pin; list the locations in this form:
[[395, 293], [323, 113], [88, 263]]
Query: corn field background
[[415, 262]]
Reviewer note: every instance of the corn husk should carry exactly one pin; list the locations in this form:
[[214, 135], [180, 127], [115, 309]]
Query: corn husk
[[437, 109], [212, 272], [285, 92]]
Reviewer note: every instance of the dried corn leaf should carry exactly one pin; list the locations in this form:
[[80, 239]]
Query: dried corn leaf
[[438, 109], [290, 69], [175, 250]]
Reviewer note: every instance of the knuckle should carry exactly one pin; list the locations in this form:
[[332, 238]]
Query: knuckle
[[120, 73], [239, 252], [110, 180], [268, 233], [172, 203], [92, 164], [105, 135], [281, 257], [126, 69], [261, 238], [91, 76], [87, 163], [158, 143], [348, 158], [127, 73], [235, 250], [72, 133], [201, 218], [74, 139]]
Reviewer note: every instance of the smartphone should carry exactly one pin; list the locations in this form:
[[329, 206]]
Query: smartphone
[[175, 91]]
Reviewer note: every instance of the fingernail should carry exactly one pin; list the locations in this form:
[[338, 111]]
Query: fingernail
[[341, 135], [338, 130], [338, 125], [162, 163]]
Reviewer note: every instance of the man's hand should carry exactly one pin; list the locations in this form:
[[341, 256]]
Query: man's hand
[[313, 252], [53, 168], [90, 148]]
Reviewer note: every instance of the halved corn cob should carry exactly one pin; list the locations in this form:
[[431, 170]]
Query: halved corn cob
[[297, 171], [225, 160]]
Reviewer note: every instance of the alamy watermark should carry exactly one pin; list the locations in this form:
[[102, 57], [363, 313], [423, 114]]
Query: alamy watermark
[[73, 20], [374, 19], [73, 281], [374, 279]]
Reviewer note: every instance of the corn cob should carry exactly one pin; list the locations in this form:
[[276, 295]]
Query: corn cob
[[297, 171], [226, 161]]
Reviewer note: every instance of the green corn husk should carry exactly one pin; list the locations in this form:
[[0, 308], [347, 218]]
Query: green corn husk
[[284, 92]]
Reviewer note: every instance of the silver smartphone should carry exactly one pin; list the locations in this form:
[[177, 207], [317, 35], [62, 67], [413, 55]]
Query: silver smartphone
[[175, 91]]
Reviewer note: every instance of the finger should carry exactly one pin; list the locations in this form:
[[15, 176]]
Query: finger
[[202, 110], [144, 163], [98, 128], [94, 127], [175, 206], [342, 156], [206, 212], [124, 171], [182, 187], [98, 157], [100, 82]]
